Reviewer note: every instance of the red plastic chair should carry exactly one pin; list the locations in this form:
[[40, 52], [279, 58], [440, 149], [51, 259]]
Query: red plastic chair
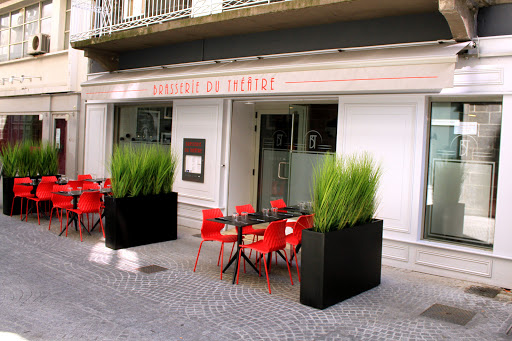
[[74, 184], [248, 229], [21, 191], [60, 202], [51, 178], [279, 203], [90, 185], [295, 238], [89, 202], [210, 231], [273, 241], [43, 194], [107, 183], [84, 176]]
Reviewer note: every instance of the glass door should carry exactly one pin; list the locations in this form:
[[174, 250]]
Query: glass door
[[291, 144], [60, 135]]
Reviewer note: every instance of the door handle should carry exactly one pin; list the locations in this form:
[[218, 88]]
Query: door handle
[[279, 170]]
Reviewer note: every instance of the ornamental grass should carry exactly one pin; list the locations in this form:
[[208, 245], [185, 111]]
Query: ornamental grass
[[29, 158], [145, 170], [345, 191]]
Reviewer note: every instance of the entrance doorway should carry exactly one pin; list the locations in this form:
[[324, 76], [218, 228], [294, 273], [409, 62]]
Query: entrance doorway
[[60, 135], [291, 143]]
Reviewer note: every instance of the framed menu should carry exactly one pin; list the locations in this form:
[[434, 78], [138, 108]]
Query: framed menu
[[193, 160]]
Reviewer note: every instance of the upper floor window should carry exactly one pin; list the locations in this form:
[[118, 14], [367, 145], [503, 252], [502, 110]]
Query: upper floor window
[[68, 24], [134, 8], [18, 26]]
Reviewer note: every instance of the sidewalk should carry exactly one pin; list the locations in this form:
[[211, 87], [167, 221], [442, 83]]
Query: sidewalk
[[55, 288]]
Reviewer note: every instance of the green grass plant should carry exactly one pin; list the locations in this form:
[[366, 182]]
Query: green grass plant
[[29, 158], [145, 170], [345, 191]]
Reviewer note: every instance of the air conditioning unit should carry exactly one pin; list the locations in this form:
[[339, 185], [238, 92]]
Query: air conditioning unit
[[38, 44]]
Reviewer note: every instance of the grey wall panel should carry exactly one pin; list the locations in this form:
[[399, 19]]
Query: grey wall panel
[[390, 30], [495, 20]]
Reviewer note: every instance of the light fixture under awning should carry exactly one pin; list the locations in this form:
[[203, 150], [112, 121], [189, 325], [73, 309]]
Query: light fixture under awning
[[392, 69]]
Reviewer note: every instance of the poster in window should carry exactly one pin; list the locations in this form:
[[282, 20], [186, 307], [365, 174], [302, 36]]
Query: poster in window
[[148, 125], [193, 160]]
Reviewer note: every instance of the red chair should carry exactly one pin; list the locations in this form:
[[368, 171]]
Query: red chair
[[90, 185], [107, 183], [84, 176], [89, 202], [273, 241], [279, 203], [74, 184], [21, 191], [249, 229], [210, 231], [43, 194], [295, 238], [60, 202], [51, 178]]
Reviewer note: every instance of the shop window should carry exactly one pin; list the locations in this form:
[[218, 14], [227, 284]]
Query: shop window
[[138, 125], [18, 128], [463, 166], [17, 26]]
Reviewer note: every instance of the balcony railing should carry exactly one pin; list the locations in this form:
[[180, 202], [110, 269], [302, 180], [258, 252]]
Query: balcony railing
[[95, 18]]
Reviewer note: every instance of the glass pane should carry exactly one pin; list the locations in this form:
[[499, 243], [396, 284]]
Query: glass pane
[[462, 173], [16, 51], [30, 29], [68, 20], [143, 125], [4, 53], [17, 34], [4, 20], [17, 128], [47, 8], [46, 26], [16, 18], [32, 13], [4, 37], [25, 49], [66, 40]]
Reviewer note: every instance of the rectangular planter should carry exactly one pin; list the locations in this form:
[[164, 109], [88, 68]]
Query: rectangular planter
[[338, 265], [8, 196], [140, 220]]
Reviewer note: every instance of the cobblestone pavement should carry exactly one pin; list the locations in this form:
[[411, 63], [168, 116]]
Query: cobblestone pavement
[[54, 288]]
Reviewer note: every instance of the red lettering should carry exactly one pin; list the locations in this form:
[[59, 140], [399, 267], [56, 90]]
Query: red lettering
[[272, 83], [197, 87], [217, 86], [160, 89], [166, 89], [187, 88], [229, 85], [256, 84], [242, 84], [249, 84], [155, 90], [235, 85], [209, 86], [181, 88], [263, 84]]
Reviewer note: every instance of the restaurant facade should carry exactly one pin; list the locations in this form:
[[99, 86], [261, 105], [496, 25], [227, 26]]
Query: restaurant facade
[[435, 115]]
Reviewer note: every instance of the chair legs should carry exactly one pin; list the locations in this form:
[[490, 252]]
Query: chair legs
[[220, 258], [198, 252]]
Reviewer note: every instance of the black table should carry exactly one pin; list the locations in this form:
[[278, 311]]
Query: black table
[[96, 180], [296, 208], [252, 219], [75, 194]]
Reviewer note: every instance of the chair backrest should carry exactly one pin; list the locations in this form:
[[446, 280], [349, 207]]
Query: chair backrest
[[90, 185], [304, 222], [107, 183], [51, 178], [244, 208], [89, 202], [274, 236], [74, 184], [211, 228], [19, 189], [279, 203], [59, 199], [44, 190], [84, 176]]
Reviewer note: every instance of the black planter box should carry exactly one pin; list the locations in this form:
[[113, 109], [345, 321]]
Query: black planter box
[[341, 264], [140, 220], [8, 196]]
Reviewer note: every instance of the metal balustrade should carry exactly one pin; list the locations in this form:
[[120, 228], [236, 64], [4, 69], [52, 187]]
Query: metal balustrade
[[95, 18]]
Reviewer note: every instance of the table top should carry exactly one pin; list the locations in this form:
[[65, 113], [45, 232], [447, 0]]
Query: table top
[[253, 219], [296, 208], [96, 179], [79, 192]]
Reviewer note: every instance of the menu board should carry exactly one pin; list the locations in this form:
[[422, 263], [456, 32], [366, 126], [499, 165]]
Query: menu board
[[193, 160]]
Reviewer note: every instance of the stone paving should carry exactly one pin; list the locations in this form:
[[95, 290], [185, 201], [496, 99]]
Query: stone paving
[[54, 288]]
